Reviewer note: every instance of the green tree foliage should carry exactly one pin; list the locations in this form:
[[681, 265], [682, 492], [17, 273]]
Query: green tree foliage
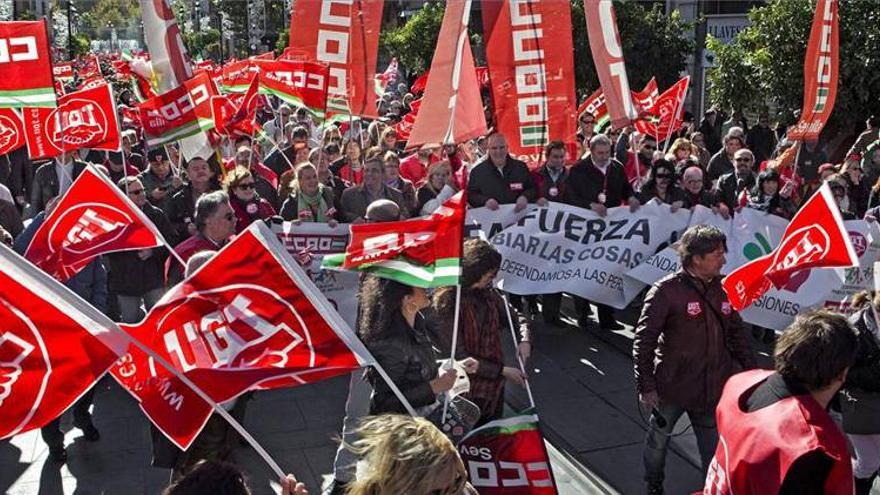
[[104, 13], [765, 62], [413, 43], [654, 45], [283, 41], [80, 44]]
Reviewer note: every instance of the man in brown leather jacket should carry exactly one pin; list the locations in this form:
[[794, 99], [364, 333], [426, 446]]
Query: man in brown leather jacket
[[688, 342]]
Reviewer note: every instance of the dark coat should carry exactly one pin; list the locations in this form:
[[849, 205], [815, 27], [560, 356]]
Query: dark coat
[[485, 182], [182, 210], [719, 165], [131, 276], [290, 208], [682, 350], [585, 182], [728, 189], [860, 396], [547, 186], [355, 200], [409, 358], [45, 185]]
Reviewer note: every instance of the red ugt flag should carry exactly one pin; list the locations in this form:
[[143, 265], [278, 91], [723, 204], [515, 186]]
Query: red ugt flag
[[94, 217], [248, 319], [422, 252], [84, 119], [815, 238], [53, 346], [26, 65], [666, 115], [11, 131], [507, 457]]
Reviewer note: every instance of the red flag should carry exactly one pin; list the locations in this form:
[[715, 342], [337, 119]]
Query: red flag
[[666, 115], [250, 318], [94, 217], [53, 346], [646, 98], [11, 131], [608, 59], [344, 35], [423, 252], [820, 73], [26, 65], [184, 111], [595, 103], [507, 457], [404, 127], [63, 71], [419, 85], [83, 119], [529, 51], [92, 82], [234, 114], [452, 107], [387, 77], [237, 76], [90, 67], [815, 238], [298, 83]]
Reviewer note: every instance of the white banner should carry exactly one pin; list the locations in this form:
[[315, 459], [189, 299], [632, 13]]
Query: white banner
[[562, 248], [751, 234], [319, 239]]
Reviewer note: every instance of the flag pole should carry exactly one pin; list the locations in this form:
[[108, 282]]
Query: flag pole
[[522, 366], [450, 138], [678, 108]]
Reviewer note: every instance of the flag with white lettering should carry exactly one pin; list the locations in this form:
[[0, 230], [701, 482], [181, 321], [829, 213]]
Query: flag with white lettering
[[452, 96], [237, 76], [508, 457], [815, 238], [595, 104], [94, 217], [11, 130], [303, 84], [83, 119], [422, 252], [184, 111], [63, 71], [608, 60], [25, 65], [345, 36], [248, 319], [529, 52], [53, 346], [820, 73], [666, 115]]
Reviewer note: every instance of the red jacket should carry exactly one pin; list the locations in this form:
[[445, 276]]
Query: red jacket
[[185, 250], [756, 449]]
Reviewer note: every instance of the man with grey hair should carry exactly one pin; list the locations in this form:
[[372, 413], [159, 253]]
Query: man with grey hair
[[598, 182], [215, 224], [688, 341]]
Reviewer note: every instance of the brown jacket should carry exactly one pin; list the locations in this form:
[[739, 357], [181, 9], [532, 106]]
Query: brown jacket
[[682, 350]]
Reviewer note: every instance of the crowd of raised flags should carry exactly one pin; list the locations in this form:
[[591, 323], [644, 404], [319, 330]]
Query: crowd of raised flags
[[56, 346]]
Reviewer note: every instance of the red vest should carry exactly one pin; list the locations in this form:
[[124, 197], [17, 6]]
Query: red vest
[[756, 449]]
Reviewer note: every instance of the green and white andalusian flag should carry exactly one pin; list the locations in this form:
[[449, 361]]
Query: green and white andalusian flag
[[422, 252]]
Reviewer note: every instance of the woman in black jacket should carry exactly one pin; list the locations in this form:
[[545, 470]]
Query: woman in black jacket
[[393, 330], [860, 396], [767, 196]]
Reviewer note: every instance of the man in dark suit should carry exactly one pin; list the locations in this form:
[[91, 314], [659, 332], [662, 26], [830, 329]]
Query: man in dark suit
[[551, 179], [500, 179], [598, 182], [53, 179], [356, 199]]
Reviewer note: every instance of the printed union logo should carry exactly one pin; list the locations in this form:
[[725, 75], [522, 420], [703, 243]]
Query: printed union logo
[[859, 242], [8, 134], [88, 227], [805, 245], [77, 122], [239, 325], [24, 368]]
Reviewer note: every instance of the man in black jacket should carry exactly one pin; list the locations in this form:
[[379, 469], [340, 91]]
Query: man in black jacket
[[731, 187], [137, 277], [598, 182], [500, 179]]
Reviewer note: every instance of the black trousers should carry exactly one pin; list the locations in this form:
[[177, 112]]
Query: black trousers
[[52, 434]]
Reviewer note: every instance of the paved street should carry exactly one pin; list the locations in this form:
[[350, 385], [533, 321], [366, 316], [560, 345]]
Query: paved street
[[582, 382]]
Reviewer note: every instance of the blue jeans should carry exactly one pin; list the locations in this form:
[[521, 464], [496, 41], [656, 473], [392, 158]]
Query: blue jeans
[[657, 441]]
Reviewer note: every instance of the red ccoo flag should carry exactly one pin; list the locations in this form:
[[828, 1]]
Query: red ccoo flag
[[83, 119], [53, 346], [26, 65], [94, 217], [815, 238], [608, 58], [820, 73], [248, 319]]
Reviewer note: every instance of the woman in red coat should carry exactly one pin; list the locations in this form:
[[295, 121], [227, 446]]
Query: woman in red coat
[[246, 203]]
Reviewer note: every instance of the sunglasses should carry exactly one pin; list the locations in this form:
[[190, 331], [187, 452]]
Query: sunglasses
[[743, 160], [587, 122], [248, 185], [135, 192]]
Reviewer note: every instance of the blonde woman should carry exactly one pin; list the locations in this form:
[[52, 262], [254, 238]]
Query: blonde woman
[[309, 200], [436, 189], [406, 455]]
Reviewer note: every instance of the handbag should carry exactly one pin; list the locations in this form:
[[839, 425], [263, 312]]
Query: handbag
[[461, 416]]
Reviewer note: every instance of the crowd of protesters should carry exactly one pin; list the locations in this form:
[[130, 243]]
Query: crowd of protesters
[[353, 172]]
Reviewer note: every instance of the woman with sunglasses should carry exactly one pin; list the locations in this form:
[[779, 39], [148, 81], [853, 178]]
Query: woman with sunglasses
[[246, 203], [661, 185]]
